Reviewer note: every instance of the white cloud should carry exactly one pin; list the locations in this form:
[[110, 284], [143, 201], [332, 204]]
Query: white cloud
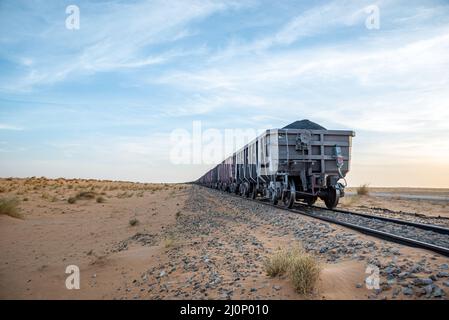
[[414, 72], [111, 37], [318, 20], [5, 126]]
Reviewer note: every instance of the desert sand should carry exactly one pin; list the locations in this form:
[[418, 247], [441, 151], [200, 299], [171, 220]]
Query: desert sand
[[177, 241]]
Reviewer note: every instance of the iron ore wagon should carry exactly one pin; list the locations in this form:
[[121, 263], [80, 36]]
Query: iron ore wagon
[[300, 162]]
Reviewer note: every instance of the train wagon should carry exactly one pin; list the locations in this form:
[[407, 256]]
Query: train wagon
[[300, 162]]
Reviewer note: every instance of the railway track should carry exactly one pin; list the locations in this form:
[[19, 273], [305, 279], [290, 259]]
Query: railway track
[[420, 235]]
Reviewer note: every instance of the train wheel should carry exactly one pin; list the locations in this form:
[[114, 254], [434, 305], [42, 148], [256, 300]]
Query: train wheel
[[253, 192], [333, 196], [289, 195], [242, 190], [247, 188], [311, 200]]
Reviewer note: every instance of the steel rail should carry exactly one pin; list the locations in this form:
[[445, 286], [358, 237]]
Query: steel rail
[[424, 226], [370, 231]]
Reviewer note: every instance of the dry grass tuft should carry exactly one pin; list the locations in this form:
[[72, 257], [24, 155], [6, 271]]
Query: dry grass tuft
[[302, 269], [124, 195], [10, 207], [363, 190], [86, 195], [350, 200], [71, 200], [278, 263], [304, 272], [45, 196], [170, 241]]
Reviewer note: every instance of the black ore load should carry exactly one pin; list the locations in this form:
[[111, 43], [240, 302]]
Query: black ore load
[[304, 124]]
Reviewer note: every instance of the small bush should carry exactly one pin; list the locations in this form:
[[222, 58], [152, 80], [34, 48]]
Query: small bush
[[71, 200], [133, 222], [304, 272], [100, 199], [86, 195], [302, 269], [170, 241], [178, 214], [10, 207], [363, 190], [45, 196], [125, 195], [278, 263]]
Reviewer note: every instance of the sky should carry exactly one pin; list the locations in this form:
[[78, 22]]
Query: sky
[[104, 101]]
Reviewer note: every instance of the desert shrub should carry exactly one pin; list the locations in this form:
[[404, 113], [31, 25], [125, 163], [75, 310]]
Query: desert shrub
[[71, 200], [10, 207], [100, 199], [133, 222], [302, 269], [178, 214], [125, 195], [363, 190], [304, 272], [170, 241], [350, 200], [86, 195], [278, 263]]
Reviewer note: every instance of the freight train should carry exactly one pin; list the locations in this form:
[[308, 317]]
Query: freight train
[[300, 162]]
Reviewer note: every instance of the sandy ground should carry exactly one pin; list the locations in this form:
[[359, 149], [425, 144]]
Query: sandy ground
[[189, 242]]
